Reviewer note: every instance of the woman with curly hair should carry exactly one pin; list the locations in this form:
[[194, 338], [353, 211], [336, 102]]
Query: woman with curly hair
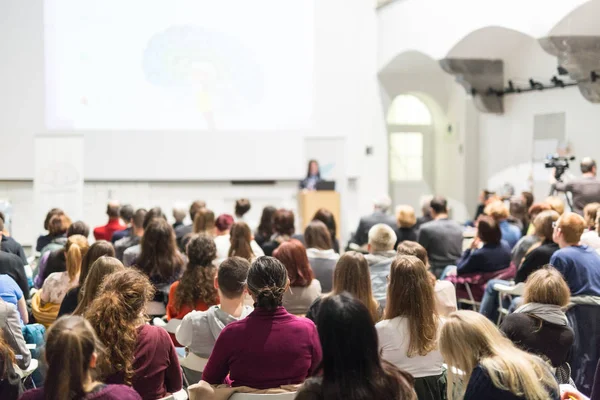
[[137, 354], [195, 290]]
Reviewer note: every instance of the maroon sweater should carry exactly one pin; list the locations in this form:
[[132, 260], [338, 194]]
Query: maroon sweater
[[109, 392], [265, 350], [156, 365]]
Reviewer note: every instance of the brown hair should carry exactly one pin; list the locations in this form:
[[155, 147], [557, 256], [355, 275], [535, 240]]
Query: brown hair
[[488, 230], [543, 224], [204, 222], [528, 197], [410, 248], [242, 206], [571, 226], [7, 356], [547, 286], [195, 207], [589, 214], [293, 255], [240, 238], [316, 235], [116, 314], [405, 216], [326, 217], [410, 295], [70, 344], [352, 274], [159, 258], [100, 269], [556, 204], [49, 215], [59, 224], [96, 250], [283, 222], [537, 208], [232, 276], [75, 249], [267, 282], [196, 284], [497, 210]]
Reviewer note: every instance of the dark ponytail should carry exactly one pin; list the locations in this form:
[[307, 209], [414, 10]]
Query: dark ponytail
[[267, 282]]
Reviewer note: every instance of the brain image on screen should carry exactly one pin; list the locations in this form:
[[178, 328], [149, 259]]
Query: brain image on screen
[[205, 71]]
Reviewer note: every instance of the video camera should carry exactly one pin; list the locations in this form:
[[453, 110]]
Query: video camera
[[560, 164]]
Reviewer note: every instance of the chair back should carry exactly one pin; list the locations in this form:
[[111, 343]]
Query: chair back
[[156, 309], [251, 396], [477, 281], [193, 362], [585, 353]]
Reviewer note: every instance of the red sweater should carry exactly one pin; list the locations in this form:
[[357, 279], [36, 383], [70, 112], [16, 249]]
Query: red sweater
[[265, 350], [105, 232], [156, 365]]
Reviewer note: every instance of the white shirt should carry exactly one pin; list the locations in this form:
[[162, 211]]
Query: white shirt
[[223, 244], [591, 239], [394, 338], [318, 253]]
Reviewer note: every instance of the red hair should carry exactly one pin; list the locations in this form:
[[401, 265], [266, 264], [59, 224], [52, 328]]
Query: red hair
[[292, 254]]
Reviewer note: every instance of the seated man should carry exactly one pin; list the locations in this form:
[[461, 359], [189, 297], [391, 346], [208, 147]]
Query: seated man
[[579, 265], [442, 237], [10, 245], [126, 214], [382, 240], [105, 232], [379, 216], [137, 231]]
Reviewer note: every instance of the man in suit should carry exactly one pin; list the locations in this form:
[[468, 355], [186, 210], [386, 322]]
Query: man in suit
[[379, 216]]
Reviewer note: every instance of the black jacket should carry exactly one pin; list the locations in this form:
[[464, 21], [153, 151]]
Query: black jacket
[[535, 260]]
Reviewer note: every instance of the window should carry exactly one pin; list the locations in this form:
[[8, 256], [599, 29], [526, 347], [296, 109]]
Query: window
[[408, 110], [406, 156]]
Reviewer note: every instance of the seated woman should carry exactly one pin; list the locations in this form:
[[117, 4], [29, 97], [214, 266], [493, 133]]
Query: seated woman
[[145, 357], [326, 217], [43, 240], [102, 268], [283, 227], [72, 352], [409, 332], [351, 275], [270, 347], [407, 224], [46, 303], [303, 289], [98, 249], [493, 368], [237, 243], [352, 368], [321, 256], [195, 290], [12, 332], [265, 228], [590, 236], [540, 326]]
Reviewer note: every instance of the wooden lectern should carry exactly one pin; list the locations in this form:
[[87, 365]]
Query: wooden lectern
[[310, 202]]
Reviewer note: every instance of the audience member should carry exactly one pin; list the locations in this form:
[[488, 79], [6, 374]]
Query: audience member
[[283, 227], [242, 206], [499, 212], [195, 290], [96, 250], [223, 224], [320, 253], [425, 212], [11, 385], [179, 214], [519, 215], [102, 267], [11, 331], [133, 239], [13, 266], [408, 334], [303, 288], [326, 217], [444, 291], [9, 244], [352, 368], [43, 240], [313, 176], [72, 353], [538, 256], [131, 254], [382, 239], [265, 228], [237, 242], [105, 232], [199, 330], [12, 294], [126, 213], [556, 203], [269, 347], [579, 265], [145, 357], [492, 367], [525, 243], [405, 217], [527, 198], [204, 222], [380, 215], [540, 326], [584, 190], [184, 230], [58, 227], [484, 197], [590, 236], [351, 275], [441, 237]]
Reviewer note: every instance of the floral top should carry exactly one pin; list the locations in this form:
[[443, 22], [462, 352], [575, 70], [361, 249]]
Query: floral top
[[56, 287]]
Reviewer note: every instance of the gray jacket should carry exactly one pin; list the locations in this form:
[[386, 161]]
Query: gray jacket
[[199, 329], [13, 335]]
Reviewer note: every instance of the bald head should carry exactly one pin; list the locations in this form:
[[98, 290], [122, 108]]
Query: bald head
[[588, 165], [112, 210]]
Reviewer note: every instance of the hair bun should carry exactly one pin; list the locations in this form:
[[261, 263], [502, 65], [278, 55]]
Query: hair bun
[[270, 297]]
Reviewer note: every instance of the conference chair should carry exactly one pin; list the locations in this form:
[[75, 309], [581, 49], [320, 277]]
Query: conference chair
[[470, 287], [507, 292]]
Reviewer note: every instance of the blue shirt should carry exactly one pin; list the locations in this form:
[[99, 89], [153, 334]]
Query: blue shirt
[[510, 233], [10, 292], [580, 266]]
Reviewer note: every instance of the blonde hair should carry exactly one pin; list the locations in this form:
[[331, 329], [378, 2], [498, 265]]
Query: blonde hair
[[590, 212], [75, 249], [547, 286], [556, 204], [497, 210], [543, 224], [469, 339], [382, 238], [571, 226], [405, 216]]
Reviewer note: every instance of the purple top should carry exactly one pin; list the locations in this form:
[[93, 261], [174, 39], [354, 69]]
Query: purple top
[[109, 392], [265, 350]]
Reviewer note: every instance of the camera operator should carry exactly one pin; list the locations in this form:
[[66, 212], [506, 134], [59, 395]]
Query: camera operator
[[584, 190]]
